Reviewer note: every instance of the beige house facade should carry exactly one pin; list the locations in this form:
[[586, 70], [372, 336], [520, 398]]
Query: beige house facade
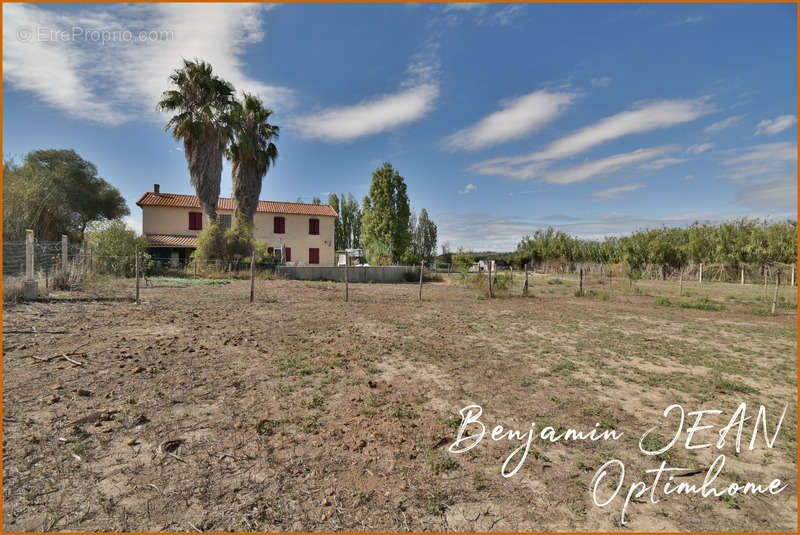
[[299, 233]]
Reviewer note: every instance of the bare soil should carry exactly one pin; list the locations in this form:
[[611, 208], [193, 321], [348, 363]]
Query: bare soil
[[197, 411]]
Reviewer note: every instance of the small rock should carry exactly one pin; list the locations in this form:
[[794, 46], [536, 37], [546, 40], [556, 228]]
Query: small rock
[[132, 442], [326, 502], [57, 387], [83, 392], [138, 369]]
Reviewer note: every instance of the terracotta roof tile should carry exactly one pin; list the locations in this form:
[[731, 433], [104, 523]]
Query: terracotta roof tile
[[190, 201], [171, 240]]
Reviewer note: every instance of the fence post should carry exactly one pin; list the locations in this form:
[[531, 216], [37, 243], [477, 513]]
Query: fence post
[[777, 285], [346, 277], [195, 268], [490, 278], [743, 275], [700, 275], [252, 275], [64, 249], [137, 273], [421, 269], [680, 291], [30, 289], [793, 274], [525, 288], [765, 283], [581, 282]]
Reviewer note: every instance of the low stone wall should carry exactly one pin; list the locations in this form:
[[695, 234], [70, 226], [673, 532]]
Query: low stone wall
[[355, 273]]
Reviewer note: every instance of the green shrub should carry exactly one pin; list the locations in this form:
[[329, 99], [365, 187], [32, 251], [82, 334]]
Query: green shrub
[[664, 302], [702, 304]]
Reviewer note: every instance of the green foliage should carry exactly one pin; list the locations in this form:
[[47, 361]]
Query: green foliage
[[56, 192], [347, 227], [114, 248], [423, 239], [462, 261], [211, 242], [384, 232], [663, 301], [702, 304], [732, 243]]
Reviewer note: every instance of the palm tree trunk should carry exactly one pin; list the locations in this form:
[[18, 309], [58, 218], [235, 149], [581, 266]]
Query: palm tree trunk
[[246, 189], [204, 158]]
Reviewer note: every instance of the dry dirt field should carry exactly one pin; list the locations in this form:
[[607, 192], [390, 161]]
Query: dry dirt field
[[197, 411]]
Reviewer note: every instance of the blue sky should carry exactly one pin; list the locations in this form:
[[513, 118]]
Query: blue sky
[[503, 118]]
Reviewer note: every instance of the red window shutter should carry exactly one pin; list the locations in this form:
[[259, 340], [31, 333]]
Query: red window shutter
[[313, 226], [195, 221], [270, 250], [279, 225], [288, 254], [313, 256]]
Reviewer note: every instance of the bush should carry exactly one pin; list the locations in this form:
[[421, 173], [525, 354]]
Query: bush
[[114, 247], [463, 261], [664, 302], [702, 304]]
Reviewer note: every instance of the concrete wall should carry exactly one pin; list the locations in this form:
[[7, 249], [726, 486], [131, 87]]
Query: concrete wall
[[171, 220], [355, 273]]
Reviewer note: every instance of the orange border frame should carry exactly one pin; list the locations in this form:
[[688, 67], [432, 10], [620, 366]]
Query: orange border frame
[[797, 368]]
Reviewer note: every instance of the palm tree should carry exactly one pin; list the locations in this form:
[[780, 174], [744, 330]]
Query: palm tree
[[251, 153], [201, 103]]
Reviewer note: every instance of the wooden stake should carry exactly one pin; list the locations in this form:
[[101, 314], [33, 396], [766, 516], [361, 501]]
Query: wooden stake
[[581, 282], [252, 275], [195, 268], [137, 273], [489, 267], [525, 288], [777, 285], [700, 275], [742, 275], [680, 292], [421, 268], [793, 274], [346, 280]]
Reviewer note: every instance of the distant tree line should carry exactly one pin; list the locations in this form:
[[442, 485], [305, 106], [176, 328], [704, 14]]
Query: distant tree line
[[733, 243]]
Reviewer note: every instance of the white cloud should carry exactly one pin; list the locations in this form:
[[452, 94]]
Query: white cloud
[[516, 118], [722, 125], [603, 167], [770, 194], [615, 193], [643, 118], [699, 149], [601, 81], [776, 125], [691, 19], [121, 79], [507, 15], [761, 160], [469, 188], [368, 117], [661, 163], [462, 6]]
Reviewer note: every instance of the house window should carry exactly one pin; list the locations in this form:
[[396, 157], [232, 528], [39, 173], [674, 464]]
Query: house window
[[288, 254], [279, 225], [313, 226], [195, 220], [226, 220], [313, 256], [270, 250]]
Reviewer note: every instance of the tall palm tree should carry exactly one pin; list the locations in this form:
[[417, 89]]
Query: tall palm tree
[[201, 103], [251, 153]]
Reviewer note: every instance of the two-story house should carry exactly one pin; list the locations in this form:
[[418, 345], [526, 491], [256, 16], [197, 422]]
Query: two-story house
[[302, 233]]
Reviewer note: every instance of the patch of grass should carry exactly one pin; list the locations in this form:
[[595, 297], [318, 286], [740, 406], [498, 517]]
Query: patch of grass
[[315, 401], [702, 304], [724, 385], [438, 464], [267, 426], [77, 447], [525, 381], [663, 301], [407, 413]]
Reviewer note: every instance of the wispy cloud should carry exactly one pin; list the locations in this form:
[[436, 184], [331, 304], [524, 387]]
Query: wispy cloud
[[699, 149], [601, 81], [602, 167], [770, 194], [769, 159], [368, 117], [615, 193], [482, 13], [722, 125], [661, 163], [643, 118], [689, 19], [117, 80], [469, 188], [516, 118], [773, 126], [416, 97]]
